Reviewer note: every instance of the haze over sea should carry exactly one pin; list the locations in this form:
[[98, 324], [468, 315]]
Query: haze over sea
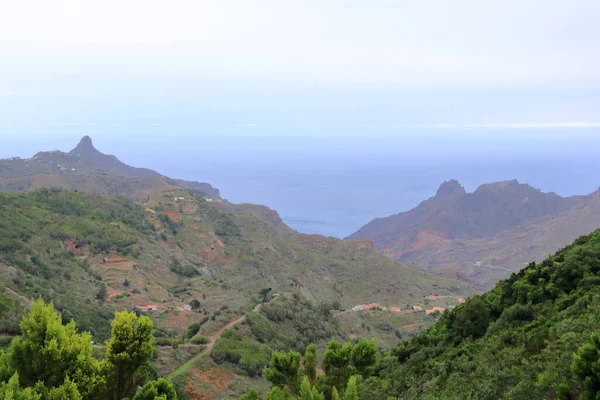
[[333, 185]]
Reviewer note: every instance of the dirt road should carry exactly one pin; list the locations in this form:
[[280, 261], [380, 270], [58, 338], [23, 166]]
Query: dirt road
[[213, 337]]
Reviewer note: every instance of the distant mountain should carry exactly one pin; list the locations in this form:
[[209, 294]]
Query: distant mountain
[[483, 236], [104, 173], [86, 151]]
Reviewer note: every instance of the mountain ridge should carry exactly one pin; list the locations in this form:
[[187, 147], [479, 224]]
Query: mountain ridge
[[484, 235], [59, 168]]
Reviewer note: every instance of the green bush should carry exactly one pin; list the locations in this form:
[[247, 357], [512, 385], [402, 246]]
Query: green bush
[[249, 356], [200, 340], [193, 329]]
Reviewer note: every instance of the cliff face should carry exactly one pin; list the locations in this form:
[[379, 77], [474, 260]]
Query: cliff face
[[484, 235]]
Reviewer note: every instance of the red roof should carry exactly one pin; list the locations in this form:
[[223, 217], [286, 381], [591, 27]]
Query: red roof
[[147, 307]]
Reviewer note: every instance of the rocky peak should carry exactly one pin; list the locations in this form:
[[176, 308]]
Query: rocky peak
[[85, 146], [450, 188]]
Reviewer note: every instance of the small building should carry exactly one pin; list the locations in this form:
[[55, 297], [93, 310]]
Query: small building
[[179, 198], [417, 308], [146, 308], [373, 305], [186, 307]]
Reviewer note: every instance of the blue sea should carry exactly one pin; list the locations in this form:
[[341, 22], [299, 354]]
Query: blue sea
[[334, 185]]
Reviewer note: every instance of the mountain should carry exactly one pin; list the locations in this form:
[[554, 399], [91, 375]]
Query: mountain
[[483, 236], [94, 236], [85, 168], [88, 170]]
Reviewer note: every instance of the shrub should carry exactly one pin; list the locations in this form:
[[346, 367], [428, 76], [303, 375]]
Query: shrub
[[250, 357], [200, 340], [193, 329]]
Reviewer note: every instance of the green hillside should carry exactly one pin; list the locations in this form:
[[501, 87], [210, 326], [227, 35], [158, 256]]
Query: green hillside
[[94, 254], [534, 336], [515, 342]]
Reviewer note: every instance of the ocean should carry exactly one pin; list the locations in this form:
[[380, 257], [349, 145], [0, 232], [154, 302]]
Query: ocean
[[333, 185]]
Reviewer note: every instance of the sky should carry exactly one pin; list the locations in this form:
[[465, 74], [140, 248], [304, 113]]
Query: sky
[[297, 68]]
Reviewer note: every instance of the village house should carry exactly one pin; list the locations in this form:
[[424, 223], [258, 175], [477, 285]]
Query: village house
[[146, 308]]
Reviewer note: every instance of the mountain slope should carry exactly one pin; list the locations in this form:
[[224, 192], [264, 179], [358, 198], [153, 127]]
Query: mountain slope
[[482, 236], [91, 254], [516, 342]]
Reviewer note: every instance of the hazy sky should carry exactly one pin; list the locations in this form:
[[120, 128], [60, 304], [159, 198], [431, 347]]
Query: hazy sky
[[297, 67]]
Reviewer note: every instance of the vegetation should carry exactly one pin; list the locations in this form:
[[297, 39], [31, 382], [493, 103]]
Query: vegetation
[[52, 361], [80, 251], [39, 232], [342, 365], [248, 356], [534, 335], [290, 322]]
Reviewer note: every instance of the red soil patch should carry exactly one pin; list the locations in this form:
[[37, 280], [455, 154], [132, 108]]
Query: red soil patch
[[113, 293], [195, 394], [174, 215], [219, 379], [74, 247], [426, 239]]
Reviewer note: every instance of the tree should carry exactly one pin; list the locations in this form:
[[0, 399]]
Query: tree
[[251, 395], [334, 394], [67, 391], [102, 292], [195, 304], [309, 392], [126, 283], [160, 389], [470, 319], [11, 390], [364, 357], [278, 393], [336, 363], [54, 354], [351, 391], [309, 363], [128, 354], [586, 366], [283, 371]]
